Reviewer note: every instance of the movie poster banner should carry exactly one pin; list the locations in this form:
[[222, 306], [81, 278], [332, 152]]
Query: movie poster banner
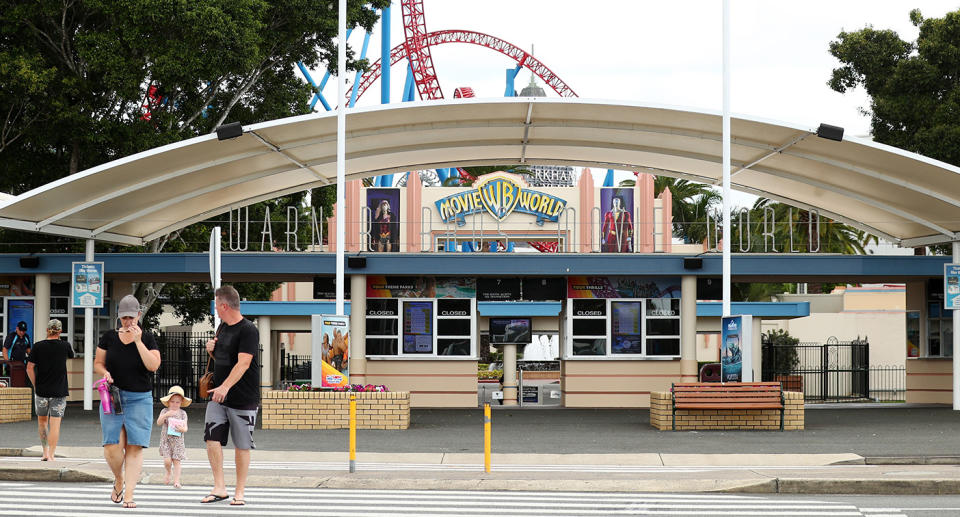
[[622, 287], [616, 232], [736, 341], [384, 205], [331, 342]]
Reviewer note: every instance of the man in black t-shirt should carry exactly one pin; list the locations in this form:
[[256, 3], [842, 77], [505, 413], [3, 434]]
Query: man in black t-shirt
[[236, 399], [47, 369], [16, 346]]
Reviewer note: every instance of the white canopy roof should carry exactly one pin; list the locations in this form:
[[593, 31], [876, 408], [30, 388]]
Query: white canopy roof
[[904, 197]]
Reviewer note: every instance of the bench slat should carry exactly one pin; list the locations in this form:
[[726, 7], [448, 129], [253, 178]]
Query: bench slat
[[729, 406]]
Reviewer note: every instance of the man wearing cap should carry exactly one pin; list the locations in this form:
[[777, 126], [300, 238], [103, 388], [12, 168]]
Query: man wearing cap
[[16, 346], [47, 370]]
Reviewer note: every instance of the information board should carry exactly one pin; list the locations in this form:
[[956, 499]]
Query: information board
[[951, 286], [86, 285]]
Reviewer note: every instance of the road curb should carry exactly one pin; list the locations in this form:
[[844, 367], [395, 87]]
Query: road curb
[[869, 486]]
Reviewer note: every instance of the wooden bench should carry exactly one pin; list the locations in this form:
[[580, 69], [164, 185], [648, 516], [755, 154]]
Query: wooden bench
[[729, 395]]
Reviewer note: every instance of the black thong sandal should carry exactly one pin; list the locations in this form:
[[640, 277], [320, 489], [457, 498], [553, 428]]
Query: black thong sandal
[[214, 498], [238, 502], [117, 497]]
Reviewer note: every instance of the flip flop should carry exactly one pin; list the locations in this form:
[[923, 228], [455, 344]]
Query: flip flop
[[214, 498], [238, 502], [117, 497]]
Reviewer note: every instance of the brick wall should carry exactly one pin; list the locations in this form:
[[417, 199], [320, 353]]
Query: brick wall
[[661, 415], [15, 404], [331, 410]]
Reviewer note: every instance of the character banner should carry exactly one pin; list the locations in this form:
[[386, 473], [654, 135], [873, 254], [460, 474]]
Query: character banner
[[379, 286], [736, 340], [331, 342], [384, 205], [616, 233]]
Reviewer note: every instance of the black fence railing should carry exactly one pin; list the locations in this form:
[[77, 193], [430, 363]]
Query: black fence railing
[[888, 383], [183, 359], [294, 367], [835, 371]]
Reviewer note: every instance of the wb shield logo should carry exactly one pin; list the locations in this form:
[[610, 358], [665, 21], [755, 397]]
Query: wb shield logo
[[499, 196]]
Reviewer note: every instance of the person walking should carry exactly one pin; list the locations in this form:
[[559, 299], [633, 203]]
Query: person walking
[[235, 400], [127, 358], [47, 370], [173, 425]]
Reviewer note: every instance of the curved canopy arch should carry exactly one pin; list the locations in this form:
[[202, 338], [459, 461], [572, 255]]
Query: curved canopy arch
[[904, 197]]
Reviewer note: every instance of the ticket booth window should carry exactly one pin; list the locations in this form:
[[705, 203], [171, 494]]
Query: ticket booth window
[[624, 327], [420, 328]]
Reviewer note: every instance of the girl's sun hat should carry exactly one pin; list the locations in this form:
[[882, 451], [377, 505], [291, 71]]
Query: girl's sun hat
[[176, 390]]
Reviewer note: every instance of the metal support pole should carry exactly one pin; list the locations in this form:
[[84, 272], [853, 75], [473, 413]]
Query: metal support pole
[[726, 157], [341, 146], [353, 433], [385, 56], [88, 343], [486, 438], [956, 341]]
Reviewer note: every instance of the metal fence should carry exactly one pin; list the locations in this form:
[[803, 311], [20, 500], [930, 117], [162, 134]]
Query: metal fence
[[888, 383], [183, 359], [833, 371], [294, 367]]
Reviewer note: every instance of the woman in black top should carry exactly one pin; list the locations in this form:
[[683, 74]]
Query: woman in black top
[[127, 358]]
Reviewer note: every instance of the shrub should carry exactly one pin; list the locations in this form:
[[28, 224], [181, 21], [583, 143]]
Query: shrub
[[782, 356], [349, 388], [490, 374]]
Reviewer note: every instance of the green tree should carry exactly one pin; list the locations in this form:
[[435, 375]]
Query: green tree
[[913, 85], [84, 83]]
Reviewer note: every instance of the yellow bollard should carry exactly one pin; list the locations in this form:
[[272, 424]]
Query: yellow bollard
[[353, 433], [486, 438]]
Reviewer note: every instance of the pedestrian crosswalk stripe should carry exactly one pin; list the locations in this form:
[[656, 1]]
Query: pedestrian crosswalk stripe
[[39, 500], [465, 467]]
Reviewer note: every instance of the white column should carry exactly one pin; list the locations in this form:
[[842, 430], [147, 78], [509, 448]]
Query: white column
[[341, 146], [88, 350], [509, 375], [956, 341], [726, 158], [688, 329], [41, 306], [358, 329], [266, 369]]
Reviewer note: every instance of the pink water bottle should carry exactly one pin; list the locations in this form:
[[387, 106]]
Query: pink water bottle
[[106, 404]]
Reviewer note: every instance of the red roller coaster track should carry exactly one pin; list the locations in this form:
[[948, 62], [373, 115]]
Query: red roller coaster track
[[416, 48], [475, 38]]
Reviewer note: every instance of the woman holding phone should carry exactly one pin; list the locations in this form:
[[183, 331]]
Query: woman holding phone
[[127, 358]]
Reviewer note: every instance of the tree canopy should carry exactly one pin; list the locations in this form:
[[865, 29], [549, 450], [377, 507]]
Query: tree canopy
[[914, 86], [84, 83]]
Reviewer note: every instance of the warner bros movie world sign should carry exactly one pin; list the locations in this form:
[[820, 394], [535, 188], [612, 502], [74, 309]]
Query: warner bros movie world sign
[[500, 194]]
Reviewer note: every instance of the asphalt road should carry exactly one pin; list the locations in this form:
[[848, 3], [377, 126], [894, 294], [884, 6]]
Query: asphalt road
[[875, 431]]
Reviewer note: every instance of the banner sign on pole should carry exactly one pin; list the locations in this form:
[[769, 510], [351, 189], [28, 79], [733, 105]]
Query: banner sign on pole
[[86, 285], [951, 286], [735, 345], [331, 343]]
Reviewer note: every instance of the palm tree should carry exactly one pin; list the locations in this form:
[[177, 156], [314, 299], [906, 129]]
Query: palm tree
[[792, 227], [691, 203]]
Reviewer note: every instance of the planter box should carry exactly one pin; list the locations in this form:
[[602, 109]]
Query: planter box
[[331, 410], [15, 404]]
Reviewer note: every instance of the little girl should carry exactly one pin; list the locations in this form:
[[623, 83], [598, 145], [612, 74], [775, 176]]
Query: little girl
[[173, 423]]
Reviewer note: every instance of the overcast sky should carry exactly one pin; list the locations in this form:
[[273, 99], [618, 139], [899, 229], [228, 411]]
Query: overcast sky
[[664, 52]]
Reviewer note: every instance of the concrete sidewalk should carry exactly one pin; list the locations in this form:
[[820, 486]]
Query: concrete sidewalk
[[893, 449]]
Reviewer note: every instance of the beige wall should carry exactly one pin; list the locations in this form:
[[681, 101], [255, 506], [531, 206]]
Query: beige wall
[[930, 381], [622, 383], [431, 383]]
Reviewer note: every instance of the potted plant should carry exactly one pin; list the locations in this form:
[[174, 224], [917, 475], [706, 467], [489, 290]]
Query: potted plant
[[781, 359]]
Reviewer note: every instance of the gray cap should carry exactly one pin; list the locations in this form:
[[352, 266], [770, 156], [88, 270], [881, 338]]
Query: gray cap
[[55, 324], [129, 307]]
